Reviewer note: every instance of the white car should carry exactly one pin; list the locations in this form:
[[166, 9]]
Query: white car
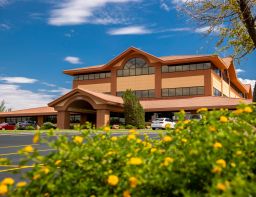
[[162, 123]]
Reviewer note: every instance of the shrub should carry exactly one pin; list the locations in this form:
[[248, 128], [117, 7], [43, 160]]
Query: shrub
[[87, 125], [29, 127], [129, 126], [47, 125], [214, 156]]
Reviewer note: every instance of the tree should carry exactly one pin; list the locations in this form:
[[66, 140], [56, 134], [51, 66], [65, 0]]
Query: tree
[[254, 93], [233, 20], [2, 106], [133, 111]]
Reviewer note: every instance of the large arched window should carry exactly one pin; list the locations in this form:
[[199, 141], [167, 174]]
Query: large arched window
[[136, 66]]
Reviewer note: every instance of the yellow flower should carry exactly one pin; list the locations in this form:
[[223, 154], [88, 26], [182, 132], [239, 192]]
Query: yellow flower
[[78, 139], [248, 109], [58, 162], [184, 140], [131, 137], [106, 129], [21, 184], [114, 138], [113, 180], [238, 111], [167, 139], [3, 189], [135, 161], [45, 169], [153, 150], [216, 170], [167, 161], [221, 186], [168, 126], [217, 145], [28, 149], [223, 119], [221, 163], [36, 138], [7, 181], [36, 176], [126, 193], [212, 128], [132, 131], [202, 109], [133, 181], [239, 153], [186, 121], [138, 141], [233, 165]]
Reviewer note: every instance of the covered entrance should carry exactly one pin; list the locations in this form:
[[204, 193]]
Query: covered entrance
[[91, 106]]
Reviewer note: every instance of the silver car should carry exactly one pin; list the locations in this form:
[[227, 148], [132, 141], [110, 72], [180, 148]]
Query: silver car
[[162, 123]]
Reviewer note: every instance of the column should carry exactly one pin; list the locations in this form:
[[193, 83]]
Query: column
[[63, 120], [158, 82], [103, 117], [40, 120]]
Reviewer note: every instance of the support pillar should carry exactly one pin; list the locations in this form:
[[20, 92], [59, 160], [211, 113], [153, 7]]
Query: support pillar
[[63, 120], [83, 118], [40, 120], [2, 119], [103, 117]]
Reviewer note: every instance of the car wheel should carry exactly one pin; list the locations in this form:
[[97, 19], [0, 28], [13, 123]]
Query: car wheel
[[153, 128]]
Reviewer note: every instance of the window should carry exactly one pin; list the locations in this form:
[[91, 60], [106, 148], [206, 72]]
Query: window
[[141, 93], [216, 92], [92, 76], [135, 66], [186, 67], [186, 91]]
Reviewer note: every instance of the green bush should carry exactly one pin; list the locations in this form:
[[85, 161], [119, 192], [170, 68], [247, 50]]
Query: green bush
[[129, 126], [47, 125], [30, 127], [215, 156]]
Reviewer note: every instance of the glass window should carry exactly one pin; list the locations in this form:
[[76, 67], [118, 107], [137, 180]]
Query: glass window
[[165, 69], [151, 93], [178, 68], [119, 94], [97, 75], [76, 77], [86, 77], [151, 70], [178, 91], [193, 91], [138, 71], [200, 66], [81, 77], [125, 72], [145, 93], [192, 66], [120, 73], [132, 72], [108, 74], [145, 71], [138, 94], [91, 76], [165, 92], [185, 91], [102, 75], [200, 90], [172, 92], [171, 69], [207, 65], [185, 67]]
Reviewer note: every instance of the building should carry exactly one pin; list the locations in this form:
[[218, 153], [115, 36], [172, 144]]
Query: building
[[163, 84]]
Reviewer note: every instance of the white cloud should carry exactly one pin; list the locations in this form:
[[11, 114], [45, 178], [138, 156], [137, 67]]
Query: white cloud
[[49, 84], [4, 26], [248, 81], [202, 30], [164, 6], [74, 12], [3, 3], [130, 30], [238, 70], [18, 98], [17, 80], [72, 60]]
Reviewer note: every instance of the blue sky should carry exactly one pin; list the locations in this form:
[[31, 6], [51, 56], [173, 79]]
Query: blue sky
[[41, 38]]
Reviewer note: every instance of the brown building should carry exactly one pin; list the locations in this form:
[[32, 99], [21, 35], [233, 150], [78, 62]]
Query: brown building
[[163, 84]]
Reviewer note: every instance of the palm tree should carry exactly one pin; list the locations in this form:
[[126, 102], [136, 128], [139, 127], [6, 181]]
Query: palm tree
[[2, 106]]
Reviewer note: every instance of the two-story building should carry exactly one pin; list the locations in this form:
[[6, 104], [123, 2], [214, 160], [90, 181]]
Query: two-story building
[[163, 84]]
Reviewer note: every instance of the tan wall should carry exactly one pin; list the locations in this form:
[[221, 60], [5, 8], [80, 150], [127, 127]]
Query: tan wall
[[216, 82], [233, 94], [143, 82], [178, 82], [101, 87], [225, 88]]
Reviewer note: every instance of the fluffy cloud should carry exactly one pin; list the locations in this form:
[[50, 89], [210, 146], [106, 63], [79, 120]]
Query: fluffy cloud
[[17, 80], [3, 3], [164, 6], [18, 98], [131, 30], [74, 12], [238, 70], [72, 60], [4, 26]]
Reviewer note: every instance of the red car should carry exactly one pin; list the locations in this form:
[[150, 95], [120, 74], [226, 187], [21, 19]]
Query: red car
[[7, 126]]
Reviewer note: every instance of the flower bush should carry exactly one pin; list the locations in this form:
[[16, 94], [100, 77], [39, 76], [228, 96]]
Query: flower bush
[[215, 156]]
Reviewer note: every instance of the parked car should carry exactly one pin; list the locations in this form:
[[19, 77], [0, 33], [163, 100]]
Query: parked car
[[162, 123], [7, 126], [23, 125]]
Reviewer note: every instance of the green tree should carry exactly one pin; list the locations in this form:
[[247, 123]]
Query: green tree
[[2, 106], [133, 111], [233, 20], [254, 93]]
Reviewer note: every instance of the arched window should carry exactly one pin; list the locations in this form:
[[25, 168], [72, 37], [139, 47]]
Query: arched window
[[136, 66]]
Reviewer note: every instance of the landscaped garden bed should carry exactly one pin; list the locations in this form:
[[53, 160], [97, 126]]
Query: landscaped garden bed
[[209, 157]]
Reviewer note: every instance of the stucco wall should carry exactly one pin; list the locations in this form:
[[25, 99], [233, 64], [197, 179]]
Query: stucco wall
[[101, 87], [216, 82], [178, 82]]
